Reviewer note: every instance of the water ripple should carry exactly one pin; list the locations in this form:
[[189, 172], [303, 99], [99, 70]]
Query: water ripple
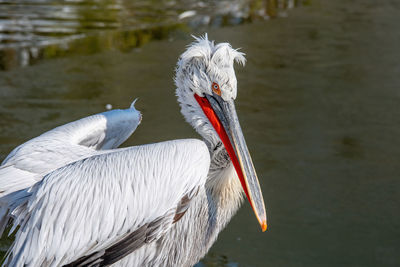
[[33, 29]]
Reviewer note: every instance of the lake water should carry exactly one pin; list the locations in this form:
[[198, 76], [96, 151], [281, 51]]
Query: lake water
[[318, 102]]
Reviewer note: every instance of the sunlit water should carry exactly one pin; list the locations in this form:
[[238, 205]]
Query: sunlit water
[[31, 30], [318, 103]]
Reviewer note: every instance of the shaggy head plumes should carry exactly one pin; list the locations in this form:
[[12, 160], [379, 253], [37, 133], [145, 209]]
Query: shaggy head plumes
[[204, 63], [201, 66]]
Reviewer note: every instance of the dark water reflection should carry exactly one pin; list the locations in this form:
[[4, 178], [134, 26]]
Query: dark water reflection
[[319, 105], [31, 30]]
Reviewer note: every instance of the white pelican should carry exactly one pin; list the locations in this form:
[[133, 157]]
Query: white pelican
[[78, 201]]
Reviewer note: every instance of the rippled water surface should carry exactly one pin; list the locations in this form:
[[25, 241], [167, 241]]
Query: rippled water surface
[[31, 30], [318, 102]]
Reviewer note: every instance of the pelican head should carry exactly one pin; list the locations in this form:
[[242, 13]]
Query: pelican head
[[206, 90]]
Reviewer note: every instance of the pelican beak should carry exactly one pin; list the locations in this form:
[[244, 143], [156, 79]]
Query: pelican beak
[[223, 117]]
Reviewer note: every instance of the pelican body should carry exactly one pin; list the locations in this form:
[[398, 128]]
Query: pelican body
[[79, 200]]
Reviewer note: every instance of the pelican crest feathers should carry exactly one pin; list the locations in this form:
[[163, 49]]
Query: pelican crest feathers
[[204, 63]]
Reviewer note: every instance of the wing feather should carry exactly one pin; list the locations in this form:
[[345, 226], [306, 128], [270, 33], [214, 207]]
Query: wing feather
[[102, 208], [27, 163], [31, 161]]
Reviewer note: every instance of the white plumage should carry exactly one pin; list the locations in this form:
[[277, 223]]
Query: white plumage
[[65, 144], [81, 202], [109, 193], [29, 162]]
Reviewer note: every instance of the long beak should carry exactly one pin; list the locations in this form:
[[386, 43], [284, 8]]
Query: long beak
[[223, 117]]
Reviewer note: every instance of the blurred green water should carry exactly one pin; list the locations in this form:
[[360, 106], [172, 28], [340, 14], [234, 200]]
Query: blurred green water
[[319, 106], [32, 30]]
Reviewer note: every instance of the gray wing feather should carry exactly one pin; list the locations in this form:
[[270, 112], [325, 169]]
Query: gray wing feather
[[65, 144], [98, 205], [145, 234], [31, 161]]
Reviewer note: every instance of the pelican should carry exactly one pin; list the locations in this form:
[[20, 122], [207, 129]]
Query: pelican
[[79, 200]]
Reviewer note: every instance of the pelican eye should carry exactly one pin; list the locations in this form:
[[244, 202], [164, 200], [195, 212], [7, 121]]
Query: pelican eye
[[215, 88]]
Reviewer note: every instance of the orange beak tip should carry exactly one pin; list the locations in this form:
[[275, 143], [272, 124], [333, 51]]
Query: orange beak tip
[[264, 226]]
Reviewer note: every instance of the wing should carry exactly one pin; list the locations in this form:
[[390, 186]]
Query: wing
[[100, 209], [29, 162]]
